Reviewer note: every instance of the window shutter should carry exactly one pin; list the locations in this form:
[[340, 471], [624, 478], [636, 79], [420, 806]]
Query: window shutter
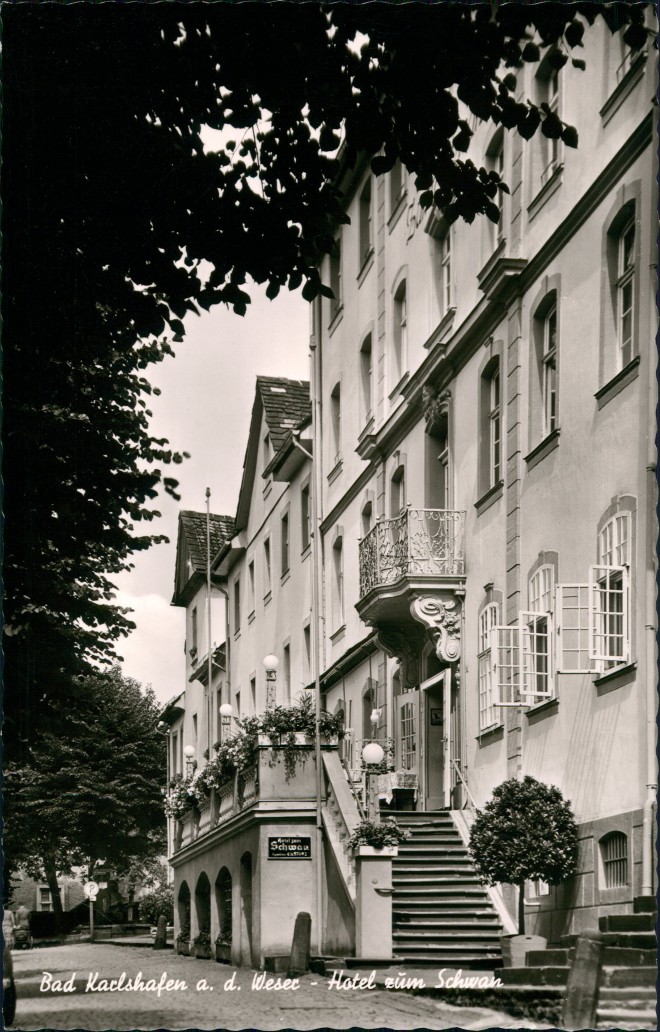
[[537, 680], [505, 657], [608, 614], [573, 634]]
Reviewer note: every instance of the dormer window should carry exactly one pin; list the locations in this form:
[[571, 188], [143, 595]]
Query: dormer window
[[267, 450]]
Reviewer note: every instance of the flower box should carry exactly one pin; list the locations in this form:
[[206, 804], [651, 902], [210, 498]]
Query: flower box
[[376, 851], [223, 953], [202, 952]]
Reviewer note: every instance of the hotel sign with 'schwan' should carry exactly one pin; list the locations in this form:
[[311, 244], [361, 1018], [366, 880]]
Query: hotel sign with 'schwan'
[[290, 847]]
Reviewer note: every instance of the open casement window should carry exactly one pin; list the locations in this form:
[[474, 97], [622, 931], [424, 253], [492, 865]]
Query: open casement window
[[522, 672], [609, 642], [573, 629]]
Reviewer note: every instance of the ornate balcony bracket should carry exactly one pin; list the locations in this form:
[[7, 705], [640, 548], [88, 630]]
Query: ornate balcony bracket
[[442, 619]]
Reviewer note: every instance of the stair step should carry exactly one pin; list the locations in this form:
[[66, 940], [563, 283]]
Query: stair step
[[436, 869], [439, 954], [441, 921], [645, 905], [432, 934], [616, 1014], [627, 923], [617, 976], [547, 958], [535, 976], [634, 994], [620, 956]]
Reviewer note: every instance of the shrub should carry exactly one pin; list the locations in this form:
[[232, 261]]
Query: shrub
[[373, 833], [526, 831], [157, 902]]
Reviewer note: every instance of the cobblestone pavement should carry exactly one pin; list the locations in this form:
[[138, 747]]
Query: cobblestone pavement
[[95, 1005]]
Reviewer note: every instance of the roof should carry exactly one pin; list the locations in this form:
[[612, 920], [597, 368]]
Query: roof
[[286, 405], [193, 525], [190, 568]]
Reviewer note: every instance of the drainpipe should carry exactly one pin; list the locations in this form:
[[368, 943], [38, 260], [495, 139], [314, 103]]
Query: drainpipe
[[318, 627], [209, 667], [650, 592]]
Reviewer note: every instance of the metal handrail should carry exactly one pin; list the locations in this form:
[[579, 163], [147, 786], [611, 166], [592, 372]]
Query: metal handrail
[[468, 794], [356, 797]]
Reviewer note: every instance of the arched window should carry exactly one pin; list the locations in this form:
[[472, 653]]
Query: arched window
[[398, 491], [614, 859], [223, 900]]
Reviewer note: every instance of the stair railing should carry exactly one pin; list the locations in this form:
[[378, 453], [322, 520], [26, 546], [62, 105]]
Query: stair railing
[[351, 785], [468, 795]]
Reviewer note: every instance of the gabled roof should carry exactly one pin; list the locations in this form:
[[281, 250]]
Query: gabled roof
[[190, 570], [285, 405]]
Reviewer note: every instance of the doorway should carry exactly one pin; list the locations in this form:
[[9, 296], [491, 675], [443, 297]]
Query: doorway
[[437, 744]]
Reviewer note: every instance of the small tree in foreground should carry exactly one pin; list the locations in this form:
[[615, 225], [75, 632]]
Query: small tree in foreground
[[526, 831], [158, 901]]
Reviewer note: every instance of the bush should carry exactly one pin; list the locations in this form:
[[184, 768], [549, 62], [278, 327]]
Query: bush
[[157, 902], [374, 833], [526, 831]]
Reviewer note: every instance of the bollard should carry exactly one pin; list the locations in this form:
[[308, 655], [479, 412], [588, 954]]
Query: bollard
[[581, 1000], [160, 941], [300, 947]]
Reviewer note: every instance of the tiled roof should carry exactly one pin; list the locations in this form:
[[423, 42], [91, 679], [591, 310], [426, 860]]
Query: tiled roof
[[286, 405], [193, 525]]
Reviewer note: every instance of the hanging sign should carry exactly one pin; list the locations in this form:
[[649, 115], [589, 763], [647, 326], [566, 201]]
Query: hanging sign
[[91, 889], [290, 847]]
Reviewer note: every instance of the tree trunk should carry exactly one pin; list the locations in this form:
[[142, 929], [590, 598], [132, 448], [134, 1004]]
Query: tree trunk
[[521, 909], [51, 878]]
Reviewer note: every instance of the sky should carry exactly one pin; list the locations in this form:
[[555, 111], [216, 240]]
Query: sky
[[205, 406]]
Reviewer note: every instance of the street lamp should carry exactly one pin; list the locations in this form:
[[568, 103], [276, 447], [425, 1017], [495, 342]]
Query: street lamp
[[226, 713], [189, 753], [372, 754], [271, 664]]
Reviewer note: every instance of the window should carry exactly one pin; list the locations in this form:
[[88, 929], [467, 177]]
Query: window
[[398, 491], [608, 590], [594, 631], [267, 450], [307, 652], [337, 584], [445, 272], [45, 901], [549, 372], [237, 606], [193, 631], [548, 100], [494, 431], [399, 333], [397, 186], [335, 279], [251, 587], [366, 243], [267, 568], [335, 416], [408, 731], [284, 543], [490, 471], [625, 293], [253, 693], [614, 858], [175, 755], [367, 516], [495, 163], [536, 639], [488, 618], [366, 377], [286, 674], [305, 518]]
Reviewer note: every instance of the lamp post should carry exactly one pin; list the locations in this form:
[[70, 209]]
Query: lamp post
[[372, 754], [189, 753], [226, 713], [271, 664]]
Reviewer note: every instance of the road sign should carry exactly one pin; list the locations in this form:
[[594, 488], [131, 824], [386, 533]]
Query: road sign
[[91, 889]]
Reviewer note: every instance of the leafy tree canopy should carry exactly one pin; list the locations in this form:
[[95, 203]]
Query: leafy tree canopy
[[118, 221], [92, 790]]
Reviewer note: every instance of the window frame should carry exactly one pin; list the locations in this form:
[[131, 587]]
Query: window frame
[[365, 233], [285, 543], [626, 275], [305, 516], [338, 587], [335, 415], [367, 378], [488, 618], [549, 372], [268, 567], [399, 331], [494, 427]]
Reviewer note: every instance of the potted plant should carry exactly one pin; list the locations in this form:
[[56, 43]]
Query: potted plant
[[181, 798], [223, 946], [527, 831], [382, 836], [183, 942], [202, 946]]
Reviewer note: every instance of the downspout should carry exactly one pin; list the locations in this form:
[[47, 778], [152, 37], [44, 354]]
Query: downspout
[[318, 633], [209, 668], [650, 671]]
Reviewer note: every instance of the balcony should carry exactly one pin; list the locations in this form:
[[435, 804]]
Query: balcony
[[412, 571]]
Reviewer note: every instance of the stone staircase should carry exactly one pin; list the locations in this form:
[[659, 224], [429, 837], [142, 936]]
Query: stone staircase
[[628, 969], [441, 913]]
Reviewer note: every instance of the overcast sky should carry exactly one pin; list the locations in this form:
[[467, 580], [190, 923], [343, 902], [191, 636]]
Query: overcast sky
[[204, 408]]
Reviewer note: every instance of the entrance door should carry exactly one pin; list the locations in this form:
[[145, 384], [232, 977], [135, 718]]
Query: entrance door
[[407, 736], [438, 731]]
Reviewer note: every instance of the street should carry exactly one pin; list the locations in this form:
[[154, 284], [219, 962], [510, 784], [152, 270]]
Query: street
[[72, 987]]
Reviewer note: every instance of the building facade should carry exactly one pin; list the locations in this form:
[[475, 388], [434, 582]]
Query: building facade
[[481, 500]]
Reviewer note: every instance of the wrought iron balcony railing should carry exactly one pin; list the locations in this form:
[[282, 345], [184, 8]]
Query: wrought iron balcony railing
[[417, 543]]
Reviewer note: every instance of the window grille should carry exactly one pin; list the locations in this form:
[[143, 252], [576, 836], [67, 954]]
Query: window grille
[[536, 679], [608, 605], [505, 647], [614, 854], [573, 653]]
